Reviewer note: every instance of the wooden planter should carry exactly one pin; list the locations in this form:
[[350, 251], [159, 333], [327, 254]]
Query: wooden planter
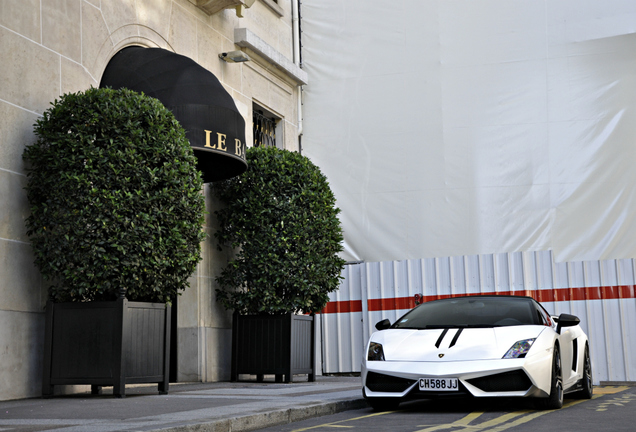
[[106, 344], [281, 345]]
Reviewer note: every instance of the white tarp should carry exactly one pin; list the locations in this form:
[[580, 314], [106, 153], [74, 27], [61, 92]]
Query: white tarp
[[460, 127]]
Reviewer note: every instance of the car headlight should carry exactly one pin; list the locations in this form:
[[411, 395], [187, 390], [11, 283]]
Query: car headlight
[[375, 352], [519, 349]]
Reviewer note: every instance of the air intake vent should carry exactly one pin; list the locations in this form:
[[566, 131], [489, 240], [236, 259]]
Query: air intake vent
[[508, 381], [385, 383]]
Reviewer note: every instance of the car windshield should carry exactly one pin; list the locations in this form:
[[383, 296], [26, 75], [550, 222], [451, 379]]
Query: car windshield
[[474, 311]]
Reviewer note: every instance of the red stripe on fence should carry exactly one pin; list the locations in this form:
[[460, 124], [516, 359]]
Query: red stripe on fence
[[345, 306], [391, 303], [543, 296]]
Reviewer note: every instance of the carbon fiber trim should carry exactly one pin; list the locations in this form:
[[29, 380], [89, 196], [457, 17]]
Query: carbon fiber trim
[[508, 381], [385, 383]]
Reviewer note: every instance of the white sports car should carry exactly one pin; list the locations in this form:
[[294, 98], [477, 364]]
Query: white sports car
[[481, 346]]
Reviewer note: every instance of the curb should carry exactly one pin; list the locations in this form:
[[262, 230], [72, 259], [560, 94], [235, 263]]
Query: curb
[[267, 419]]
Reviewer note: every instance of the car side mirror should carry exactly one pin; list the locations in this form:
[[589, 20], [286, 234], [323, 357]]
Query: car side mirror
[[566, 320], [383, 325]]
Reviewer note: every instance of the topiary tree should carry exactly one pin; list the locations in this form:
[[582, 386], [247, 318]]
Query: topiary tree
[[115, 198], [280, 216]]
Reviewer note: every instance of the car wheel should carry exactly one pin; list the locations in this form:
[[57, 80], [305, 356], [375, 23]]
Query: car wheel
[[555, 400], [588, 388], [382, 403]]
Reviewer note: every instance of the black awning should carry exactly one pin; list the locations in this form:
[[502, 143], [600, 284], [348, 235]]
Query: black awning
[[206, 111]]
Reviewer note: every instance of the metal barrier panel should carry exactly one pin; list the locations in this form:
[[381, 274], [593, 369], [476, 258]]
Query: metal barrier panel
[[600, 293], [341, 324]]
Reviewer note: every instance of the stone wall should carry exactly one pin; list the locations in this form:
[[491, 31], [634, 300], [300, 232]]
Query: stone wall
[[52, 47]]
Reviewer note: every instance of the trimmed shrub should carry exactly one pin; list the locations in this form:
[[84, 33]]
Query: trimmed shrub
[[115, 198], [280, 217]]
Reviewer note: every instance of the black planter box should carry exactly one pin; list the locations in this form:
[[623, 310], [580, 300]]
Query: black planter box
[[281, 345], [106, 344]]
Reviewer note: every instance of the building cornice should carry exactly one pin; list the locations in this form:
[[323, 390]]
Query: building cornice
[[247, 39]]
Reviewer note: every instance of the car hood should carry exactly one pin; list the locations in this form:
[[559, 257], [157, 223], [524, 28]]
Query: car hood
[[456, 344]]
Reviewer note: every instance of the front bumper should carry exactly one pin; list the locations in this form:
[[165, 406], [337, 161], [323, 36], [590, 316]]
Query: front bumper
[[480, 378]]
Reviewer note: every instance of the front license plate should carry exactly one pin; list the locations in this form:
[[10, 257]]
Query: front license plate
[[439, 384]]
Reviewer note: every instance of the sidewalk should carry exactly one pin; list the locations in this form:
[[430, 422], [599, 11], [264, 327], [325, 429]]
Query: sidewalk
[[217, 407]]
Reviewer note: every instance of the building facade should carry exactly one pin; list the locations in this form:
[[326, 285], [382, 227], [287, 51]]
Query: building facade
[[53, 47]]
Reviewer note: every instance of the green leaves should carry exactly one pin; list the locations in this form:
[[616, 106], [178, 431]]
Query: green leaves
[[115, 198], [281, 216]]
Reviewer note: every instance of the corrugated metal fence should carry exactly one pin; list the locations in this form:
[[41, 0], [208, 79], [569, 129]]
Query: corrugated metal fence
[[600, 293]]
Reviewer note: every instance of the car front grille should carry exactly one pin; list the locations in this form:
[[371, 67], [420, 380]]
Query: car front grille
[[385, 383], [508, 381]]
